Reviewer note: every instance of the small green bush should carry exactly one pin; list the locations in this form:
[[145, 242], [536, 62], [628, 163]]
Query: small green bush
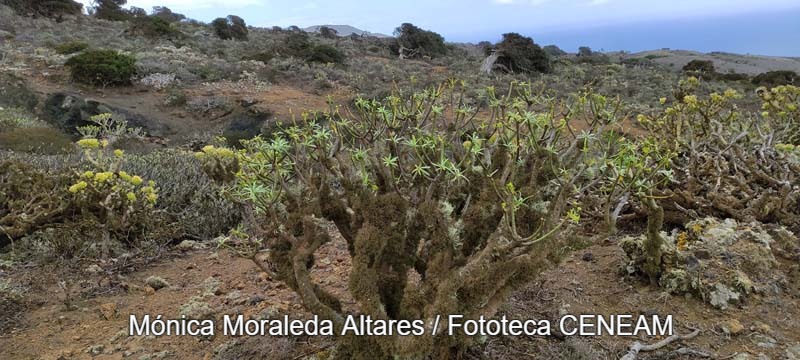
[[41, 140], [263, 57], [15, 93], [102, 67], [777, 78], [700, 66], [154, 28], [14, 118], [325, 54], [175, 97], [733, 77], [299, 45], [71, 47]]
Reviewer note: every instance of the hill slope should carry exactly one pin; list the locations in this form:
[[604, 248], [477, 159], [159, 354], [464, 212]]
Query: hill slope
[[724, 62], [345, 30]]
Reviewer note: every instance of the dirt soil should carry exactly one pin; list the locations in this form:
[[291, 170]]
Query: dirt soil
[[284, 102], [90, 318]]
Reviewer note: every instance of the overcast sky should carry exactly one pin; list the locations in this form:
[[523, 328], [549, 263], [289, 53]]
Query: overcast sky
[[769, 27]]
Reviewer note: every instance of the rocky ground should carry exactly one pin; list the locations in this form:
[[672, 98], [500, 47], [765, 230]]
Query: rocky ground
[[83, 313]]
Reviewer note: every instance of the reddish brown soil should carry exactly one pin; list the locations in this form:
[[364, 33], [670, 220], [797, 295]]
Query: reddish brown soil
[[581, 285]]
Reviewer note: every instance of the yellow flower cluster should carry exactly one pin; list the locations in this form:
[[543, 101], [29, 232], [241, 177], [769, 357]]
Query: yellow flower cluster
[[135, 179], [213, 151], [786, 147], [89, 143], [149, 192], [781, 100], [78, 187], [102, 177], [107, 177]]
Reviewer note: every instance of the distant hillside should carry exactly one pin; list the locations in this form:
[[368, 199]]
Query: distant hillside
[[345, 30], [723, 62]]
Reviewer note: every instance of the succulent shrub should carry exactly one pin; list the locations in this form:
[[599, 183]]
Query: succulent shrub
[[445, 209], [729, 162], [30, 198], [102, 68], [99, 209], [118, 201], [635, 167]]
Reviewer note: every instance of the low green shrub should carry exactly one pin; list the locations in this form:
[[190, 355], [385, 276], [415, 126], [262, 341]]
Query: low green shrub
[[733, 77], [300, 45], [15, 93], [326, 54], [39, 140], [102, 67], [154, 28], [71, 47], [175, 97], [14, 118], [186, 193], [699, 67], [777, 78], [263, 57]]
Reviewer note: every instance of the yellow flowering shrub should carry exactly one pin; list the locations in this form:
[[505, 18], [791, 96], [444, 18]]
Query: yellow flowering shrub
[[731, 162]]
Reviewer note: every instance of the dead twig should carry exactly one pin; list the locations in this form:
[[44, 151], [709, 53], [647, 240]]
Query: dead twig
[[637, 347], [693, 353]]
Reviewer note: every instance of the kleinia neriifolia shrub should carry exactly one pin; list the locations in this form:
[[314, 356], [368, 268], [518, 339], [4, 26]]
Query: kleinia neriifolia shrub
[[445, 209]]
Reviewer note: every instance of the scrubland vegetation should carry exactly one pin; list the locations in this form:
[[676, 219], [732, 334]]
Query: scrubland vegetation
[[455, 175]]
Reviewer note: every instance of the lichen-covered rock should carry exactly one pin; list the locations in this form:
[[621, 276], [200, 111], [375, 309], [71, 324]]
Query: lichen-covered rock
[[156, 282], [197, 309], [720, 261]]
